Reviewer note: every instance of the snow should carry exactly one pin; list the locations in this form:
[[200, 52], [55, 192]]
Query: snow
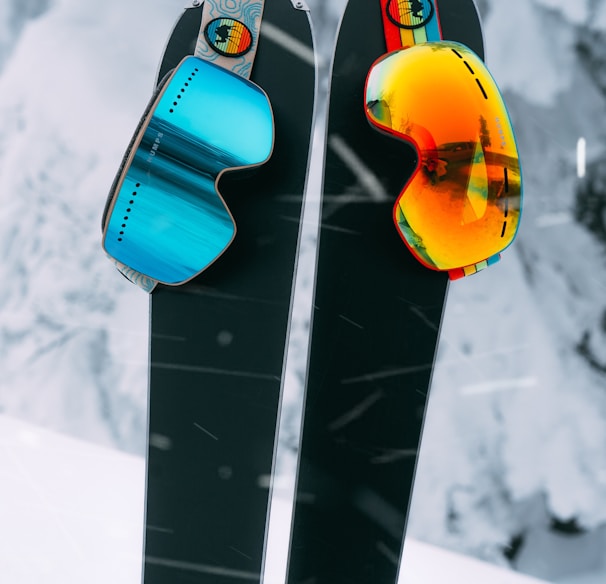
[[72, 506], [427, 564], [515, 432], [70, 511], [537, 66], [577, 12]]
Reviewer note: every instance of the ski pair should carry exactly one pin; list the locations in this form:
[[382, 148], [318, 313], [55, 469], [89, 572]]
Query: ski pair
[[217, 391]]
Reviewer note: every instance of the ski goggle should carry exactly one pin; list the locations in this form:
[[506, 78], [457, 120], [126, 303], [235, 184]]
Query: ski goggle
[[462, 205], [165, 217]]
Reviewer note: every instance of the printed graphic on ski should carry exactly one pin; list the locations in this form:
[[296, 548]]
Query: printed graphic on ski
[[217, 343], [376, 321]]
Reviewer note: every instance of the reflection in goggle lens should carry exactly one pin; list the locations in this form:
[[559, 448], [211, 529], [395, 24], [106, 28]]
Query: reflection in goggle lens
[[462, 205], [167, 219]]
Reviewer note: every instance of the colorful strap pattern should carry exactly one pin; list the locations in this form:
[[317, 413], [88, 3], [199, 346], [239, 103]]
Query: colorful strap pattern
[[411, 22], [229, 34]]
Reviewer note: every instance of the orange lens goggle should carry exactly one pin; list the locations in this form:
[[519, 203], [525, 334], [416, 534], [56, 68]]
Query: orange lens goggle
[[462, 205]]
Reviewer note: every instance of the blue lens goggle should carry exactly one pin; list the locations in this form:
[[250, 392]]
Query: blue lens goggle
[[165, 218]]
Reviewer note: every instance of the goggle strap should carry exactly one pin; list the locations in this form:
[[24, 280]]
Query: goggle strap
[[229, 34], [459, 273], [146, 283], [393, 38], [397, 37]]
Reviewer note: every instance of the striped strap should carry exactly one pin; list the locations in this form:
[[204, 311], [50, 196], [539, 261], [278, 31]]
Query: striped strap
[[230, 33], [410, 22]]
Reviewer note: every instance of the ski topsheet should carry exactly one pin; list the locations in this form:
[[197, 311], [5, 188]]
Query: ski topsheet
[[376, 321], [217, 343]]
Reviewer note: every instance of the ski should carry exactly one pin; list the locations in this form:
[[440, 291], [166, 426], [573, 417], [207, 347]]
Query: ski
[[376, 321], [218, 342]]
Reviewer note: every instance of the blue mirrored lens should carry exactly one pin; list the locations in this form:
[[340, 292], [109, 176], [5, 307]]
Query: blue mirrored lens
[[167, 219]]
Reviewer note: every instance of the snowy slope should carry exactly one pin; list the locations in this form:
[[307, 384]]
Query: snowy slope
[[76, 515], [70, 511]]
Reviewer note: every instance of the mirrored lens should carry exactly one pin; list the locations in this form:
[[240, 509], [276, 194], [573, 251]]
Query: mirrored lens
[[167, 219], [462, 205]]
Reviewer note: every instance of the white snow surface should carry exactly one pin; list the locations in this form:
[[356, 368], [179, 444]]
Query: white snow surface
[[70, 511], [516, 425], [76, 515]]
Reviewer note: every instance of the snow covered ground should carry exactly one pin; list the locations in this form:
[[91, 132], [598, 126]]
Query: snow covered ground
[[513, 463], [75, 512]]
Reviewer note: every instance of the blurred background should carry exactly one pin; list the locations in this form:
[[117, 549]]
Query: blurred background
[[513, 463]]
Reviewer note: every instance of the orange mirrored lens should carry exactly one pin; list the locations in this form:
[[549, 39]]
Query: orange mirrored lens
[[462, 205]]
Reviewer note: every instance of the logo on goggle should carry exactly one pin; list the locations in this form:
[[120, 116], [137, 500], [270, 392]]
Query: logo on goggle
[[410, 14], [229, 37]]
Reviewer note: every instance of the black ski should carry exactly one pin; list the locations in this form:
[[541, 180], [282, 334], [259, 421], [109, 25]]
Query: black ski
[[217, 343], [377, 315]]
